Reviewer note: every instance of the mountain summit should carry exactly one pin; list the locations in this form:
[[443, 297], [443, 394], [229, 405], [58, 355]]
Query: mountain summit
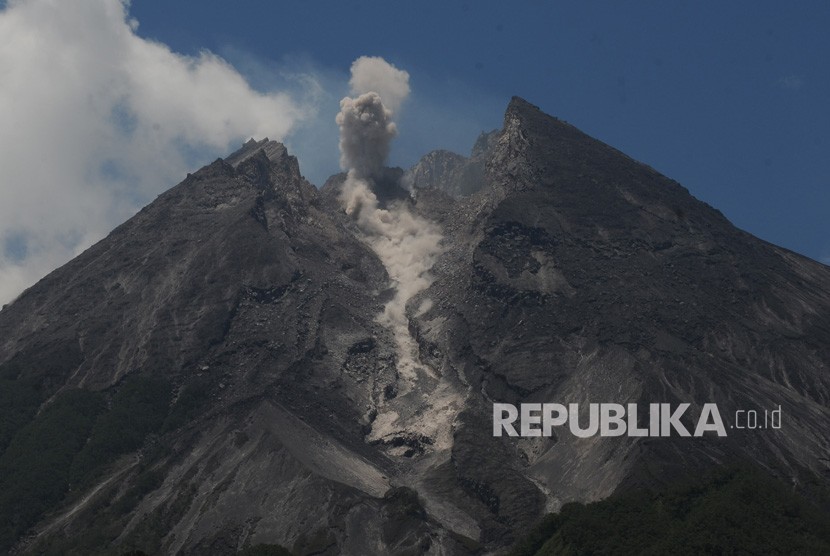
[[242, 362]]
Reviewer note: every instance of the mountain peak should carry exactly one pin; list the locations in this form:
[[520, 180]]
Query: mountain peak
[[268, 164], [528, 116], [273, 150], [518, 104]]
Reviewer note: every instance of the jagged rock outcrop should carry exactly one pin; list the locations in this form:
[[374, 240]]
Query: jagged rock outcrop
[[449, 172]]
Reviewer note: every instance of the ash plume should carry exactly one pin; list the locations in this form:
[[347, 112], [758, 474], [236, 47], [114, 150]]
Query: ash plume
[[407, 244], [365, 120], [366, 132], [373, 73]]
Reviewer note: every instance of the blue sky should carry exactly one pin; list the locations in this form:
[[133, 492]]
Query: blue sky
[[730, 99]]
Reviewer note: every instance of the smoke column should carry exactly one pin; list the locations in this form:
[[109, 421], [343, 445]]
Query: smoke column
[[366, 131], [407, 244]]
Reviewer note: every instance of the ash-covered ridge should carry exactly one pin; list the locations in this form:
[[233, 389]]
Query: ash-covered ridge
[[565, 272]]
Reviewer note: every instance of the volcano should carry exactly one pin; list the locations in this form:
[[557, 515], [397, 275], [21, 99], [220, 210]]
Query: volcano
[[216, 373]]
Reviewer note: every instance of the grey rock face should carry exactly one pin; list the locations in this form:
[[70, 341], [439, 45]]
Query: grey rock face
[[570, 273], [452, 173]]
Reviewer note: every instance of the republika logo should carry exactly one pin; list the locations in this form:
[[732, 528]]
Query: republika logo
[[613, 419]]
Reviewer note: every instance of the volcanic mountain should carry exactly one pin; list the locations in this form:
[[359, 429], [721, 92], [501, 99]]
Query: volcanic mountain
[[216, 373]]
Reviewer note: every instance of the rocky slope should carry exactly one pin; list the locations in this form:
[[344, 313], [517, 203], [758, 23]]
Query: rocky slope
[[569, 273]]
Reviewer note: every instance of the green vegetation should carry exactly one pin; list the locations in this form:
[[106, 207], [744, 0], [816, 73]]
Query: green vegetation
[[139, 407], [18, 404], [103, 521], [738, 511], [34, 469], [61, 450], [54, 447]]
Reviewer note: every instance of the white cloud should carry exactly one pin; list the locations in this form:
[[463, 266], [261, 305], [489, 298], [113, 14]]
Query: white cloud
[[97, 121], [374, 74]]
